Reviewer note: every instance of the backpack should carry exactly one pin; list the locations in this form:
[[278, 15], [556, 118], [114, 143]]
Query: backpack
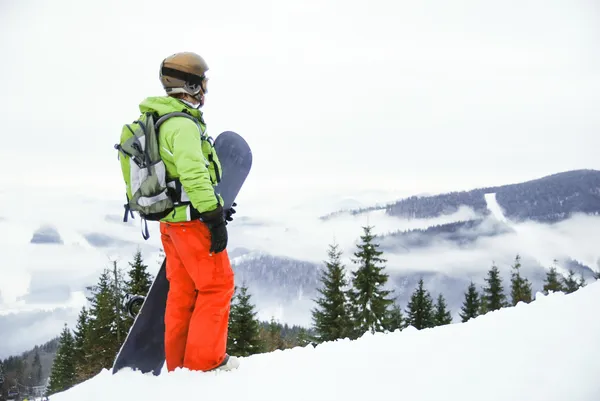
[[147, 189]]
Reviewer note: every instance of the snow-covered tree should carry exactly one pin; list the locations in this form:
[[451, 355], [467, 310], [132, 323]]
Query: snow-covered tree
[[331, 318], [369, 302]]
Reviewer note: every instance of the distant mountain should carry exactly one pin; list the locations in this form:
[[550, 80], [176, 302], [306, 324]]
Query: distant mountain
[[19, 371], [292, 284], [277, 277], [46, 235], [278, 283], [548, 199], [461, 233]]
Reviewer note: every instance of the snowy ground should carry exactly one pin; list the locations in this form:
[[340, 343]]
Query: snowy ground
[[547, 351], [494, 207]]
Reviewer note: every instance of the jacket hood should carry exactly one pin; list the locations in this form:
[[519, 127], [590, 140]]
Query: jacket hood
[[167, 104]]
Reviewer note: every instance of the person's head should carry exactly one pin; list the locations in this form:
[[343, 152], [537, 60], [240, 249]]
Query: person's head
[[183, 76]]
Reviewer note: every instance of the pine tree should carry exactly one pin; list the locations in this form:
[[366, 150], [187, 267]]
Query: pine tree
[[570, 283], [520, 287], [420, 308], [441, 315], [582, 282], [274, 338], [36, 369], [330, 318], [20, 370], [552, 282], [122, 322], [62, 376], [139, 279], [395, 320], [303, 338], [472, 304], [493, 297], [106, 323], [368, 300], [243, 337], [82, 351]]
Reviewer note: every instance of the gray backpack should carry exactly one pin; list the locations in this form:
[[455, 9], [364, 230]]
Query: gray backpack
[[147, 190]]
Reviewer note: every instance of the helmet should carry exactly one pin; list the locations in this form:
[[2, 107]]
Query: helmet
[[184, 73]]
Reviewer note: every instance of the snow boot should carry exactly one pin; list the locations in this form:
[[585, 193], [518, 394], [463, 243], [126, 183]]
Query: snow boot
[[229, 363]]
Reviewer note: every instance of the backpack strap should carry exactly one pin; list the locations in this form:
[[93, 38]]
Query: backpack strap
[[164, 118]]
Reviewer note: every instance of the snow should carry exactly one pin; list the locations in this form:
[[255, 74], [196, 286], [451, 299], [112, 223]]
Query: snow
[[494, 207], [536, 239], [547, 350]]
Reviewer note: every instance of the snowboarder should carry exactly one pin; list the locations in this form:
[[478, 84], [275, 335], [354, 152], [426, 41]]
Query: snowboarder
[[194, 236]]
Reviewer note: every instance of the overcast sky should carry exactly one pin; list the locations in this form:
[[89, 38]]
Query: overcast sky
[[415, 96], [336, 98]]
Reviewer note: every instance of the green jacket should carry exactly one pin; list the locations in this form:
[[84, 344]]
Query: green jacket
[[186, 157]]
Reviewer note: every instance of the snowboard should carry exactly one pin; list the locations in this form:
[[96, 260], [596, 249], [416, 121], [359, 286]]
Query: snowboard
[[144, 348]]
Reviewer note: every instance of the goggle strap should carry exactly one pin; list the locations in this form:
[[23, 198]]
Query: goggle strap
[[184, 76]]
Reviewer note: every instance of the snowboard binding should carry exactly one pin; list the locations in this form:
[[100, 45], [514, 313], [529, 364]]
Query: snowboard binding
[[132, 304]]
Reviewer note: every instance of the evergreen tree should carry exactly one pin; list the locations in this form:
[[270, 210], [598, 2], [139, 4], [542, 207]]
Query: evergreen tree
[[395, 320], [106, 324], [36, 369], [420, 308], [139, 279], [243, 337], [303, 337], [82, 352], [471, 305], [368, 300], [275, 340], [493, 297], [330, 318], [62, 376], [20, 370], [552, 282], [570, 283], [138, 283], [441, 315], [582, 282], [520, 287]]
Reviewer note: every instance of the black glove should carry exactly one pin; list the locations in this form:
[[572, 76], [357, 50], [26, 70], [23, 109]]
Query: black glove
[[229, 213], [215, 221]]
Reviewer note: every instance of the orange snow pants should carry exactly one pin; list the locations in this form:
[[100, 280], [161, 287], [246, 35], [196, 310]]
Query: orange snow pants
[[200, 290]]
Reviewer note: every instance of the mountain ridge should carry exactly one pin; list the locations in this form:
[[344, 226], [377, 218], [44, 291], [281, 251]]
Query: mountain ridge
[[568, 192]]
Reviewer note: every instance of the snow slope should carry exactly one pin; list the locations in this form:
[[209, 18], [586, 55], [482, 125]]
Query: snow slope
[[538, 238], [494, 207], [547, 350]]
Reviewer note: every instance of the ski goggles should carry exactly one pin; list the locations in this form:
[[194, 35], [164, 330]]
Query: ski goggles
[[196, 84], [193, 83]]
